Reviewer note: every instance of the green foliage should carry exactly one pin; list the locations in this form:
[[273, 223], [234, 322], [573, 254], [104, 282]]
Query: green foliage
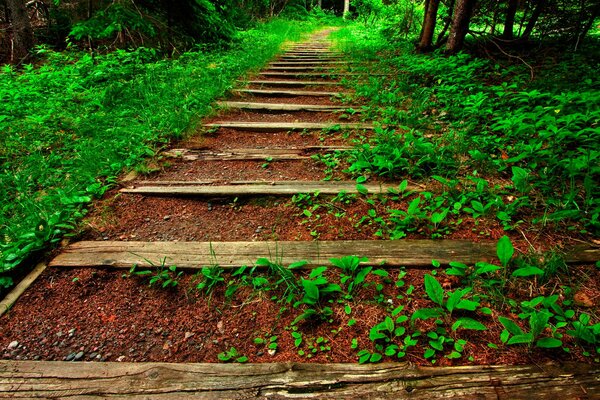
[[162, 276], [76, 121], [232, 355]]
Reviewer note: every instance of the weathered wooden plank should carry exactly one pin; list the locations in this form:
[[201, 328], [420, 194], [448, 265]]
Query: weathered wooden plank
[[54, 379], [195, 255], [252, 153], [18, 290], [292, 83], [304, 74], [285, 93], [302, 69], [582, 254], [286, 126], [280, 107], [302, 63], [258, 188]]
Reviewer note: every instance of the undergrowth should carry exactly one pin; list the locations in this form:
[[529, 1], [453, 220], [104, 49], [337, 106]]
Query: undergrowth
[[460, 118], [73, 123]]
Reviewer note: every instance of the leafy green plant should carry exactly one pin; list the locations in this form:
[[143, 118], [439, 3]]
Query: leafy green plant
[[163, 276], [316, 291], [232, 355]]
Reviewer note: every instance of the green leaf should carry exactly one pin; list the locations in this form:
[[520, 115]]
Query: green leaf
[[429, 353], [468, 323], [413, 207], [527, 271], [375, 357], [511, 326], [434, 290], [426, 313], [361, 189], [520, 339], [548, 343], [505, 250]]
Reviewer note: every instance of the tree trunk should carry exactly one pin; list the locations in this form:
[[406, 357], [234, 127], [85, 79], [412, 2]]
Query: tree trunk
[[429, 26], [460, 25], [22, 31], [534, 17], [441, 36], [509, 23], [346, 8]]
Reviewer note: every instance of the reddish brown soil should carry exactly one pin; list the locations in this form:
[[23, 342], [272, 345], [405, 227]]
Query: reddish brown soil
[[106, 315]]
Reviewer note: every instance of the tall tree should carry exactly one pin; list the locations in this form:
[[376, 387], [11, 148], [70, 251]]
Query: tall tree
[[428, 25], [533, 20], [22, 32], [509, 22], [460, 25]]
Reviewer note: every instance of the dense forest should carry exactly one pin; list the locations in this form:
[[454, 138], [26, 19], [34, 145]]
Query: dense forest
[[93, 87]]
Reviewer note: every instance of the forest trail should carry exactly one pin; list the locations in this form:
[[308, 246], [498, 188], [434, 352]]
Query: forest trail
[[224, 200]]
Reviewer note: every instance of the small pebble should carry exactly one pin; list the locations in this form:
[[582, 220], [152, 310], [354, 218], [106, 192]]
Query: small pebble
[[70, 357], [120, 358], [260, 353], [167, 217], [78, 356], [188, 335], [93, 355], [147, 219], [13, 345]]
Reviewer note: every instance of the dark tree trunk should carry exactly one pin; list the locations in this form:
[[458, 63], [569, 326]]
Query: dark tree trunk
[[533, 20], [22, 32], [460, 25], [448, 21], [429, 26], [426, 7], [509, 23]]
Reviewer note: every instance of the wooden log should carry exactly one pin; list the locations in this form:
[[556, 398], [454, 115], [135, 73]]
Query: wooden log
[[84, 380], [281, 107], [303, 63], [195, 255], [285, 93], [287, 126], [301, 69], [18, 290], [252, 153], [258, 188], [304, 74], [291, 83]]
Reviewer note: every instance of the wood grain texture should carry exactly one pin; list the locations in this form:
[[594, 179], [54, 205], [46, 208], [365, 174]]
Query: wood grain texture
[[243, 105], [301, 63], [195, 255], [257, 188], [45, 379], [249, 154], [18, 290], [292, 83], [286, 126], [287, 93]]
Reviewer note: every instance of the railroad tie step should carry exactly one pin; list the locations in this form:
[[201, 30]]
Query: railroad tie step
[[286, 93], [265, 127], [248, 154], [253, 188], [195, 255], [280, 107]]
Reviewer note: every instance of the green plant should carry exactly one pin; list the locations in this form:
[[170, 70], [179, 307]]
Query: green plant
[[163, 276], [316, 291], [232, 355]]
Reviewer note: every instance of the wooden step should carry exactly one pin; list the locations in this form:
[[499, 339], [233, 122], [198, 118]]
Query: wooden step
[[213, 381], [195, 255], [248, 154], [300, 69], [285, 74], [319, 63], [291, 83], [287, 126], [280, 107], [253, 188], [285, 93]]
